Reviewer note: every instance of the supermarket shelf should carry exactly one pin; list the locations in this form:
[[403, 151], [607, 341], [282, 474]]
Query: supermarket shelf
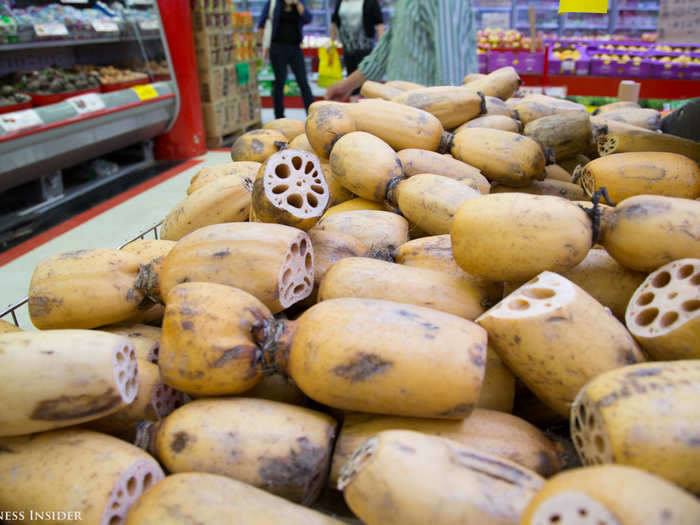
[[31, 154], [608, 86], [71, 43], [645, 9], [495, 9], [538, 26]]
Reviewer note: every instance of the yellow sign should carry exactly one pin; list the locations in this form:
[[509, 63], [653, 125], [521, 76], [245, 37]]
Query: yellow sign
[[583, 6], [145, 92]]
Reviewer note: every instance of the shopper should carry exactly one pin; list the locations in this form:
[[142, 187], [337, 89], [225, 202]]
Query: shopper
[[431, 42], [357, 22], [288, 17]]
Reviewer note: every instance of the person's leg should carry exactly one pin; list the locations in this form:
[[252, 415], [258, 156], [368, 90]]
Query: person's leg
[[352, 62], [278, 59], [299, 70]]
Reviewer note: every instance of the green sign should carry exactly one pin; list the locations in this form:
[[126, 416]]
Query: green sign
[[243, 73]]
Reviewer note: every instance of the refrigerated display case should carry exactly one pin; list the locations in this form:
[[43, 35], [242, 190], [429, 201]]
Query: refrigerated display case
[[61, 55]]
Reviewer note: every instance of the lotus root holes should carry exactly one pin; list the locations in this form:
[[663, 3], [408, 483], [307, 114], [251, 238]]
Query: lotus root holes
[[295, 249], [131, 486], [519, 304], [295, 200], [302, 247], [661, 280], [147, 480], [696, 279], [297, 162], [539, 293], [309, 167], [120, 358], [668, 319], [317, 188], [691, 306], [646, 317], [685, 271], [555, 518], [115, 519], [279, 189], [645, 299], [282, 171], [599, 444], [308, 261]]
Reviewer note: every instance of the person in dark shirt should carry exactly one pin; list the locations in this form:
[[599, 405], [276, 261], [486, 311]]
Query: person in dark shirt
[[288, 17]]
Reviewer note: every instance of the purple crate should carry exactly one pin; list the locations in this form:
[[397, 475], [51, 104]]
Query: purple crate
[[666, 70], [483, 62], [523, 61], [499, 59], [580, 67], [603, 68]]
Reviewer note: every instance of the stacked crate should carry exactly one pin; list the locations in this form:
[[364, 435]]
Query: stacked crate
[[225, 47]]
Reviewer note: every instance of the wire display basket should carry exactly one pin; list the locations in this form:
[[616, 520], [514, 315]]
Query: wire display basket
[[10, 313]]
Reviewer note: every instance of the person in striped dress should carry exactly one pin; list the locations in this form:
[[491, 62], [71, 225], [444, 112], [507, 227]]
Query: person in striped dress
[[430, 42]]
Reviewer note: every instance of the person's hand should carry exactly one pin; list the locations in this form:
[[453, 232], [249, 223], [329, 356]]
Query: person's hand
[[340, 91]]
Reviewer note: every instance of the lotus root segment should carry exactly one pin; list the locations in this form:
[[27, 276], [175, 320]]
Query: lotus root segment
[[542, 332], [664, 313], [58, 378], [644, 416], [291, 189], [94, 476]]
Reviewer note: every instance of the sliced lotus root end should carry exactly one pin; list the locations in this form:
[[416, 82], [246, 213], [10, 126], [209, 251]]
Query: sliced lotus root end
[[589, 432], [357, 461], [539, 296], [165, 399], [293, 181], [140, 475], [607, 144], [667, 300], [296, 279], [572, 508], [152, 355], [126, 374]]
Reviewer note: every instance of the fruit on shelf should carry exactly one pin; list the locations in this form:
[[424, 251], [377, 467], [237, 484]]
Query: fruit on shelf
[[567, 54]]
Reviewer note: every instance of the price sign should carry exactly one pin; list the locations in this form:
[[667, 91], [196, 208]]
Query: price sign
[[20, 120], [75, 1], [50, 29], [105, 26], [583, 6], [88, 103], [679, 21], [496, 20], [568, 65], [145, 92], [149, 25]]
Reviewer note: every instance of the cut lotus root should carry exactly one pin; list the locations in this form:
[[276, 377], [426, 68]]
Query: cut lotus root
[[296, 279], [357, 461], [126, 372], [292, 190], [140, 475], [572, 508], [585, 178], [540, 295], [165, 399], [589, 432], [664, 313], [607, 145]]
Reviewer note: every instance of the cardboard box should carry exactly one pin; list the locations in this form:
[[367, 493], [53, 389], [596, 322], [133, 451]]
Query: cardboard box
[[215, 118], [213, 84]]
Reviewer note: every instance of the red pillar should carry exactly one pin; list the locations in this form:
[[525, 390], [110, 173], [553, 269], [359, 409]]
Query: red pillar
[[187, 138]]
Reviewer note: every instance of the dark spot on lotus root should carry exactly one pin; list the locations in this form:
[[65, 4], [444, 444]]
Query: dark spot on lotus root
[[187, 325], [4, 449], [362, 367], [76, 407], [257, 146], [297, 469], [544, 467], [233, 353], [645, 372], [42, 306], [556, 319], [180, 441], [222, 254], [76, 254], [406, 448], [463, 409]]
